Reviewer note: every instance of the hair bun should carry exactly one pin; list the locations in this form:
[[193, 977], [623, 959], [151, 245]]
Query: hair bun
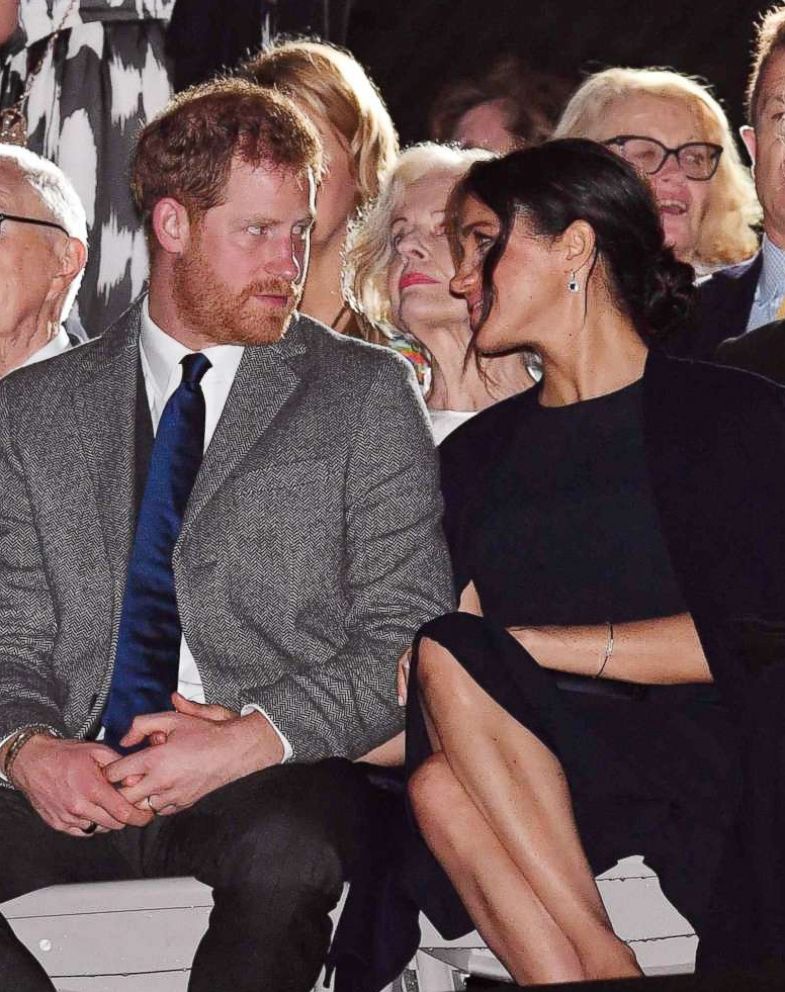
[[668, 293]]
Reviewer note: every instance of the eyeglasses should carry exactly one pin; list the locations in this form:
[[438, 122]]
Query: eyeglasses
[[698, 160], [32, 220]]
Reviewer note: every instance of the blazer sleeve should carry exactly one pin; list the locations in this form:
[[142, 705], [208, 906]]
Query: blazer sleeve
[[396, 577], [28, 628]]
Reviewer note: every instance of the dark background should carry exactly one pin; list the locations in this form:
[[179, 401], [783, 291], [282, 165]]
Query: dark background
[[411, 47]]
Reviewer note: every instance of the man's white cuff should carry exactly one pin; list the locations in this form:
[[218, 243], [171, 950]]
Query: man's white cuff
[[288, 753]]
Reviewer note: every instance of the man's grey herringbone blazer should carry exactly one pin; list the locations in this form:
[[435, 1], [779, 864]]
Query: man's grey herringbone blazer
[[310, 552]]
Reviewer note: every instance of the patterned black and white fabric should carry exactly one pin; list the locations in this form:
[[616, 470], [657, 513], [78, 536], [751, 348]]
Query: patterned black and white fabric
[[104, 77]]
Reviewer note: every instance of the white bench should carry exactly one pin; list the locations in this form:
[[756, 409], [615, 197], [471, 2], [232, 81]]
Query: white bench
[[140, 936]]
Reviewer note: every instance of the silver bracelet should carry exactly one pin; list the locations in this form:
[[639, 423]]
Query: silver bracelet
[[608, 650]]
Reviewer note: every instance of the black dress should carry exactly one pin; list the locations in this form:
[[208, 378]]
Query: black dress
[[561, 529]]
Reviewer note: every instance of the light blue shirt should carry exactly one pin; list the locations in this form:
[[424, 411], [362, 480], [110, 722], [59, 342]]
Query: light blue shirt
[[770, 291]]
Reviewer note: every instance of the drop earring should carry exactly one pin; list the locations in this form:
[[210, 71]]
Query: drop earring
[[573, 284]]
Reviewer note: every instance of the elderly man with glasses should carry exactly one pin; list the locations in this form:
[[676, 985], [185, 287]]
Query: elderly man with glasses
[[43, 249]]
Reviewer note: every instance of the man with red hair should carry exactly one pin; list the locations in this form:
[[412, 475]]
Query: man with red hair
[[209, 572]]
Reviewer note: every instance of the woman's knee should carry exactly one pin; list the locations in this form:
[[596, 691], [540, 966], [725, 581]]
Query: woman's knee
[[434, 791], [444, 812]]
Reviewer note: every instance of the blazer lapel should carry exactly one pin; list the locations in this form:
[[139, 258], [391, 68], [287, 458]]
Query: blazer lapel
[[264, 382], [105, 405]]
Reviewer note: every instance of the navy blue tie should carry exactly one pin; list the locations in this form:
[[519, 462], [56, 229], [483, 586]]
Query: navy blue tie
[[148, 645]]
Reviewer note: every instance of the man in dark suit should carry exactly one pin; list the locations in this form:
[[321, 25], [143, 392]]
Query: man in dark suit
[[241, 506], [746, 296], [44, 234], [761, 351]]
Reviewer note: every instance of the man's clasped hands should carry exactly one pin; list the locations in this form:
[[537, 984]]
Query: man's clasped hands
[[190, 752]]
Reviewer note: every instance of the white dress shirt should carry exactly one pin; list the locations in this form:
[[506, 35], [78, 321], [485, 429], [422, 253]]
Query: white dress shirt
[[444, 422], [770, 291], [56, 346], [162, 372]]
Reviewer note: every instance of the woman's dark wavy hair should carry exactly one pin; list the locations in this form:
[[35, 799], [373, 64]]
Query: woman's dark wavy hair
[[559, 182]]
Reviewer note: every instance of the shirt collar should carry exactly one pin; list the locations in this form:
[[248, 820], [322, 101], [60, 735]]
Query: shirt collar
[[56, 346], [162, 354], [771, 283]]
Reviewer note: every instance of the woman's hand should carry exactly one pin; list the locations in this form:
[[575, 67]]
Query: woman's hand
[[403, 676], [470, 601]]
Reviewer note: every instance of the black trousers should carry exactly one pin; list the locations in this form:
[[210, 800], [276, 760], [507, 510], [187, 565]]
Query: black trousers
[[276, 847]]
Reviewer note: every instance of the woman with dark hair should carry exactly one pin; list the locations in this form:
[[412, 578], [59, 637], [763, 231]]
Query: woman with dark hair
[[585, 704]]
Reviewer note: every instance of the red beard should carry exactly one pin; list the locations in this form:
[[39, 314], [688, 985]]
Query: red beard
[[207, 305]]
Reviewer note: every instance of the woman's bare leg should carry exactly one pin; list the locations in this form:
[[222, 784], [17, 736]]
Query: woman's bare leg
[[506, 911], [519, 788]]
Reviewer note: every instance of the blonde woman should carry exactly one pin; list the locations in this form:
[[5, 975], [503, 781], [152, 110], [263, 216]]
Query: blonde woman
[[360, 145], [398, 271], [675, 132]]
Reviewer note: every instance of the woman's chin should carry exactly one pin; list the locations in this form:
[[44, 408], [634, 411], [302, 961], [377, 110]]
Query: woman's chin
[[679, 238], [422, 322]]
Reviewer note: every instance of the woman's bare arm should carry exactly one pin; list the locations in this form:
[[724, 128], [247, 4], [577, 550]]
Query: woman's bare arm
[[663, 651]]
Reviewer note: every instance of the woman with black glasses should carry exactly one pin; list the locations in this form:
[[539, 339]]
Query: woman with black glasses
[[676, 134]]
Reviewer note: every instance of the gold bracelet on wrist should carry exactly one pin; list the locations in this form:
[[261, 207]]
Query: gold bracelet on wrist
[[18, 742]]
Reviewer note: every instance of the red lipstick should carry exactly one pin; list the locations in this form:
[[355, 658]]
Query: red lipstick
[[415, 279]]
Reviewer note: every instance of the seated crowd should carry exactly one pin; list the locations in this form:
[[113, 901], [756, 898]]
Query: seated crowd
[[372, 544]]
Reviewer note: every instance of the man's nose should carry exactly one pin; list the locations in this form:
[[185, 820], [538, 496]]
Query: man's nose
[[284, 262]]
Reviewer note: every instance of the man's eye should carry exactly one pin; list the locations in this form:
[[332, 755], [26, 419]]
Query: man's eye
[[256, 229]]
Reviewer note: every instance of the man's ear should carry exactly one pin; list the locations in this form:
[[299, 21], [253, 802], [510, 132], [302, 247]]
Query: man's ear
[[70, 262], [750, 141], [171, 225], [73, 260]]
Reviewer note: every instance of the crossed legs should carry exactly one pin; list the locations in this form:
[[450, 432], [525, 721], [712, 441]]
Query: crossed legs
[[493, 805]]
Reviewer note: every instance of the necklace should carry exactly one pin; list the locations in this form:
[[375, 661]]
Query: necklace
[[13, 122]]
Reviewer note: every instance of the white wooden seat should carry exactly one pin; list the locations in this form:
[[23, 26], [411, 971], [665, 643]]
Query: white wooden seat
[[140, 936]]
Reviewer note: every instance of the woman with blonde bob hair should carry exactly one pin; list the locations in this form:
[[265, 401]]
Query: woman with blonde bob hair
[[675, 132], [397, 275], [360, 143]]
